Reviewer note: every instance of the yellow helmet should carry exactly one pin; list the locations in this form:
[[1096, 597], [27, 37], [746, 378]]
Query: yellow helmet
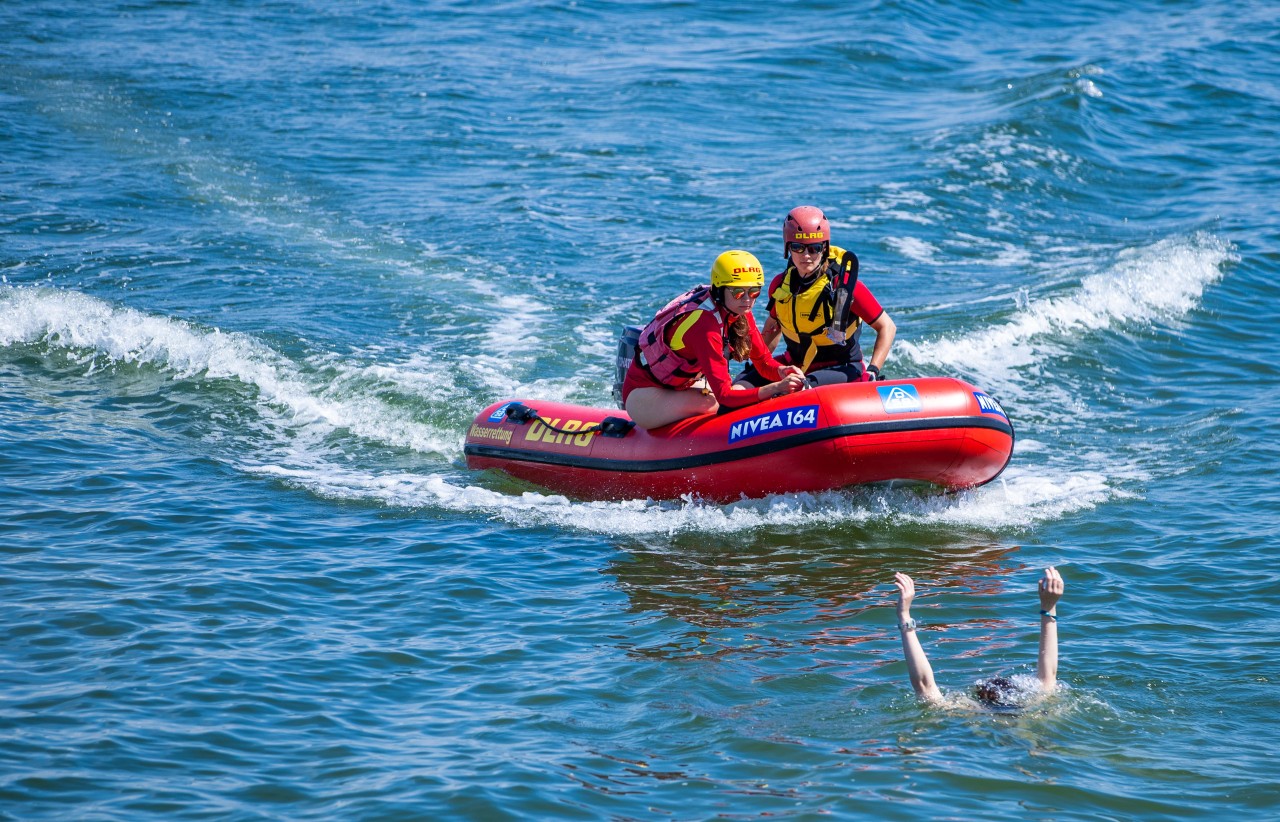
[[737, 268]]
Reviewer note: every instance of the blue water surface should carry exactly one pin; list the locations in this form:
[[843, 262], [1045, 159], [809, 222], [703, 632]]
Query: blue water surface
[[262, 262]]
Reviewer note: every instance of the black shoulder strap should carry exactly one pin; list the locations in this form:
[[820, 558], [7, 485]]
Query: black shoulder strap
[[849, 272], [844, 281]]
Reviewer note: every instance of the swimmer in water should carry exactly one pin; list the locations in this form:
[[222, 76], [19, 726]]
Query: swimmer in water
[[996, 691]]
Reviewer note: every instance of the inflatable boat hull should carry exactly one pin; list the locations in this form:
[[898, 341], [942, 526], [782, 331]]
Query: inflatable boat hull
[[934, 430]]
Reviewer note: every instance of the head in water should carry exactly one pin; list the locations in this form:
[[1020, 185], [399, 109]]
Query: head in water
[[996, 691]]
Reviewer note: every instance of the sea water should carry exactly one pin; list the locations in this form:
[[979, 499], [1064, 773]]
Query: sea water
[[261, 263]]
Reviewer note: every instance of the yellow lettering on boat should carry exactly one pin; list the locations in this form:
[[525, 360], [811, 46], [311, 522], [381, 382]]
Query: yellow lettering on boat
[[484, 432], [571, 425], [535, 431], [540, 431]]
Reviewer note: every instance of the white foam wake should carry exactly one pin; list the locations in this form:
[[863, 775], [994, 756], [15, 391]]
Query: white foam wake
[[1015, 501], [97, 329], [1158, 282], [311, 407]]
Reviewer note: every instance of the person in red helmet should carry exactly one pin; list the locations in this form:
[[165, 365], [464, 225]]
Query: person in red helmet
[[818, 305], [681, 366]]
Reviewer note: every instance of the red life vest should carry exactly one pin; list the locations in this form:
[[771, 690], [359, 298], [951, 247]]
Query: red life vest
[[663, 364]]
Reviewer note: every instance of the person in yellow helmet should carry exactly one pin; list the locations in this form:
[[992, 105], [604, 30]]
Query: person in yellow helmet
[[819, 306], [681, 365]]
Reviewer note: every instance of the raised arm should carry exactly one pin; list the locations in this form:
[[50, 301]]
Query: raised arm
[[1051, 588], [917, 663]]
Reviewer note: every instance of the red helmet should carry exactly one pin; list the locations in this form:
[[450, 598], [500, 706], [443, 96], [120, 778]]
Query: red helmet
[[805, 224]]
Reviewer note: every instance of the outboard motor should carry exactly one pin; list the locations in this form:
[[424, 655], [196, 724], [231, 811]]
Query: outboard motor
[[626, 353]]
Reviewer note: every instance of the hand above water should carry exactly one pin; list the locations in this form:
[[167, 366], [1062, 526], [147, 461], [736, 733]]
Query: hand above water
[[906, 593], [1051, 588]]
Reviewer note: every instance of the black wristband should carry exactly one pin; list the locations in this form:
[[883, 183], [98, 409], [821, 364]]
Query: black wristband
[[1049, 615]]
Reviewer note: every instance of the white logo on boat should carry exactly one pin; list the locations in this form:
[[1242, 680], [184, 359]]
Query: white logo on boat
[[806, 416], [899, 399], [988, 405]]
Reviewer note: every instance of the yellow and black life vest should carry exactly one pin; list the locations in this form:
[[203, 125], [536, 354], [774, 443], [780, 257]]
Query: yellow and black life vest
[[806, 310]]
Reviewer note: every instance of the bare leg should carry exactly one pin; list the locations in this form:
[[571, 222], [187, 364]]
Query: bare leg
[[656, 407]]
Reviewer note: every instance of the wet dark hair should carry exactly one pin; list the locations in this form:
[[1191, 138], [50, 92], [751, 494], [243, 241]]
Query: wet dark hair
[[994, 691]]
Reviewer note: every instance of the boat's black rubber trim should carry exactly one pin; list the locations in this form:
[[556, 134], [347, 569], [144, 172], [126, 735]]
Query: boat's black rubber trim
[[742, 453]]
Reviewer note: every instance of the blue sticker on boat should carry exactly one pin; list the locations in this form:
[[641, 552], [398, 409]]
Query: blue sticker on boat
[[988, 405], [500, 413], [899, 399], [806, 416]]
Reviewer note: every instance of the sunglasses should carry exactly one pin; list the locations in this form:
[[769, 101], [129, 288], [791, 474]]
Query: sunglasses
[[739, 293], [812, 248]]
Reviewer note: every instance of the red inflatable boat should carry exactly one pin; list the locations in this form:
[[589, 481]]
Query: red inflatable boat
[[934, 429]]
